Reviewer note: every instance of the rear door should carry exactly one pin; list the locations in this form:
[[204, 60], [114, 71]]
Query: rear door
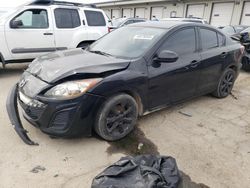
[[67, 24], [213, 54], [34, 37], [173, 82], [96, 23]]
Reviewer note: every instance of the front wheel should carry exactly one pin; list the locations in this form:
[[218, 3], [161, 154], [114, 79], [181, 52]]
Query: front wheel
[[117, 117], [225, 84]]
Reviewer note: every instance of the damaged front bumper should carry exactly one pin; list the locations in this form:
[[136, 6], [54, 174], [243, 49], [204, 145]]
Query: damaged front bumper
[[69, 118], [13, 113]]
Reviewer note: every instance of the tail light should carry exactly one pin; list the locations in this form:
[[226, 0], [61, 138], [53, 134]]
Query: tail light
[[109, 29]]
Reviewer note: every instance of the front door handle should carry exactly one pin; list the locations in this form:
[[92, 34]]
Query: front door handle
[[194, 64], [223, 54], [47, 33]]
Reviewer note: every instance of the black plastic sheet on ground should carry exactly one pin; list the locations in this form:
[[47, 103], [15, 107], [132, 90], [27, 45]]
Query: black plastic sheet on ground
[[144, 171]]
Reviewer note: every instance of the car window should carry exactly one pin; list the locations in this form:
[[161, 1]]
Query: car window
[[182, 42], [128, 22], [33, 18], [239, 28], [208, 39], [221, 39], [95, 18], [137, 21], [229, 30], [246, 30], [67, 18]]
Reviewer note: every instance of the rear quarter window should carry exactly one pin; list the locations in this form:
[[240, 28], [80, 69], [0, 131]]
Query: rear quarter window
[[208, 39], [221, 39], [95, 18]]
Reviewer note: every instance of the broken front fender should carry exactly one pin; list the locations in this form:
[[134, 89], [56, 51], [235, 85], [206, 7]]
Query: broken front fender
[[13, 113]]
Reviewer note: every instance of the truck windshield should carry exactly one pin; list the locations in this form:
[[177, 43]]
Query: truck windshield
[[128, 42]]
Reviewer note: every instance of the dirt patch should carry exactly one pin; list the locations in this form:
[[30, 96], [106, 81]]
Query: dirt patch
[[188, 183], [135, 143]]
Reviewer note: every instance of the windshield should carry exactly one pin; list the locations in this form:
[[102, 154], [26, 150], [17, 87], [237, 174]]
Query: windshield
[[247, 30], [117, 22], [240, 28], [128, 42], [229, 30]]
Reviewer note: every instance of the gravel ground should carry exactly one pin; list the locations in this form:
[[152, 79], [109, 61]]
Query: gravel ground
[[210, 139]]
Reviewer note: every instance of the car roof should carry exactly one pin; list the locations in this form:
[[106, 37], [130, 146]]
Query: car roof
[[165, 24], [181, 18]]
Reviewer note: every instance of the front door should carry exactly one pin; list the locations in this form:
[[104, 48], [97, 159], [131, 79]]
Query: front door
[[173, 82], [32, 36]]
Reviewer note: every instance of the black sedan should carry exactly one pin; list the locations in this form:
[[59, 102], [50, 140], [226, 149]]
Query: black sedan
[[132, 71]]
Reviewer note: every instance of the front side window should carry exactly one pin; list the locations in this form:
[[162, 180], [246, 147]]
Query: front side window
[[95, 18], [208, 39], [32, 18], [182, 42], [67, 18]]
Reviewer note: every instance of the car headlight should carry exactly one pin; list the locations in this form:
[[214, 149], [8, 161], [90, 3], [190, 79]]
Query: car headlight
[[71, 89]]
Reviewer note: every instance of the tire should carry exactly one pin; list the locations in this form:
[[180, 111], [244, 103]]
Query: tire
[[117, 117], [225, 84]]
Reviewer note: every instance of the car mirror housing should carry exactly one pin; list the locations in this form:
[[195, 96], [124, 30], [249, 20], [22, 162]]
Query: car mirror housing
[[16, 23], [166, 56]]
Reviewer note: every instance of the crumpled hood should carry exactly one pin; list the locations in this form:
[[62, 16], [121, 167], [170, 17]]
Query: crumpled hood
[[55, 66]]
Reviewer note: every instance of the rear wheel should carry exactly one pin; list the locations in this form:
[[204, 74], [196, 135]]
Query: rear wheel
[[225, 84], [117, 117]]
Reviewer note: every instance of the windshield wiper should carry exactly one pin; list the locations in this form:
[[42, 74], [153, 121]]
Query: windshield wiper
[[100, 52]]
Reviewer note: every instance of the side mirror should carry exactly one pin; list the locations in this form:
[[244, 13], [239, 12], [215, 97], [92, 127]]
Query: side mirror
[[166, 56], [16, 23]]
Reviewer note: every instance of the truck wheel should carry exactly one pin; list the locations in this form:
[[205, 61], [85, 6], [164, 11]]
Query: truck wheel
[[117, 117], [225, 84]]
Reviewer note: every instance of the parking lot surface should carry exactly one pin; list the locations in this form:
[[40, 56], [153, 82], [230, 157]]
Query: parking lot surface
[[208, 137]]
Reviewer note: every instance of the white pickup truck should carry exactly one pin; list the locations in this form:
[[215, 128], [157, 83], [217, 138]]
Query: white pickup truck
[[46, 26]]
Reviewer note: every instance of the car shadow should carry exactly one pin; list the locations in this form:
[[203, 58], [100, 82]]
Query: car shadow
[[187, 182]]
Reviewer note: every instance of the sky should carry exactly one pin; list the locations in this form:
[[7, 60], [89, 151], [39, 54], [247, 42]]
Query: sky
[[15, 3]]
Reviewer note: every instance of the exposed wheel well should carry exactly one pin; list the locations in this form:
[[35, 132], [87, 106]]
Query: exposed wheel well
[[233, 67], [137, 99]]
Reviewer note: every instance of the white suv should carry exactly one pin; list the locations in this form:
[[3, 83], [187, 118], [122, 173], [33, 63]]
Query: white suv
[[46, 26]]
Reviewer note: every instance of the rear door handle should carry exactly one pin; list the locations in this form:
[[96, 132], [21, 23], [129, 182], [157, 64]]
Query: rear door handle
[[48, 33], [223, 54], [194, 63]]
